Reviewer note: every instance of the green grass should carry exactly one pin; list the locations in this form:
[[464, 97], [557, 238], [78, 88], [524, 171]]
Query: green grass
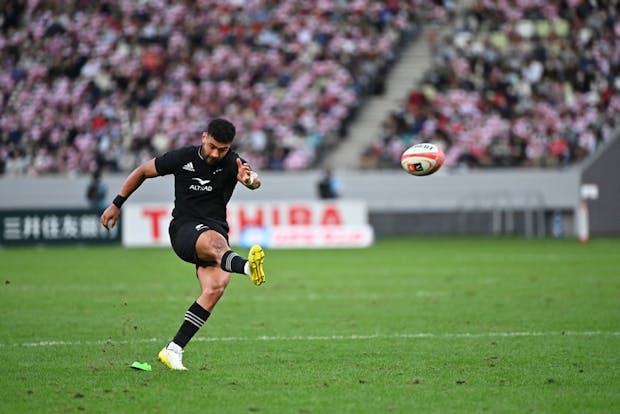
[[410, 325]]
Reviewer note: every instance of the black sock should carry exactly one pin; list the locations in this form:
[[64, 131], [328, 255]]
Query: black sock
[[195, 317], [232, 262]]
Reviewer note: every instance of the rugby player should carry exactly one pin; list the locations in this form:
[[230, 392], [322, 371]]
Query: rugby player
[[205, 177]]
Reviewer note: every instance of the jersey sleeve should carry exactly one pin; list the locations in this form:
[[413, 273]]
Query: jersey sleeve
[[169, 162]]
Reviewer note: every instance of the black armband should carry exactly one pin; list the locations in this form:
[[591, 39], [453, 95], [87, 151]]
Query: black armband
[[119, 200]]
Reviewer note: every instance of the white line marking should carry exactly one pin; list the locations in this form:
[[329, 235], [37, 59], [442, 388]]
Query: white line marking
[[420, 335]]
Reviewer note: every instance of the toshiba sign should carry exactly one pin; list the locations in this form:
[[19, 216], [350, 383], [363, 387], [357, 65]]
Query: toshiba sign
[[275, 224]]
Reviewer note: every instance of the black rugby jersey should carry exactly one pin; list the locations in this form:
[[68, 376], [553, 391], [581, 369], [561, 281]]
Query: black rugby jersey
[[201, 190]]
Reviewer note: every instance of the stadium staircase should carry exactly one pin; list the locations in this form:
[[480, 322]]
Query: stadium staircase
[[414, 61]]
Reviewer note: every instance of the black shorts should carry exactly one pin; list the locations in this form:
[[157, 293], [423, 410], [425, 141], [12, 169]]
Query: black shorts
[[184, 235]]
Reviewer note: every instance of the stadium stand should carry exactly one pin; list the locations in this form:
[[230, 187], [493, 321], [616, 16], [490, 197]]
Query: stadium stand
[[526, 83], [105, 85]]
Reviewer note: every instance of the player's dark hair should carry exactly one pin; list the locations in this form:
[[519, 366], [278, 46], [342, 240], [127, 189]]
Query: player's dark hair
[[222, 130]]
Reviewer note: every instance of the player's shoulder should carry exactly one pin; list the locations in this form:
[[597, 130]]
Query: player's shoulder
[[182, 157], [231, 158], [182, 153]]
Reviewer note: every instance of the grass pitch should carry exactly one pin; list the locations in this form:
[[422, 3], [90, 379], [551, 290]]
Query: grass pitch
[[409, 325]]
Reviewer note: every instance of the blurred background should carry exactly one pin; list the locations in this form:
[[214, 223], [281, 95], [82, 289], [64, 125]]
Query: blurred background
[[523, 97]]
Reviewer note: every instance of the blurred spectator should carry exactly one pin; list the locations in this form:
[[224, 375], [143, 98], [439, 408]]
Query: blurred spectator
[[105, 85], [329, 185], [523, 83], [96, 192]]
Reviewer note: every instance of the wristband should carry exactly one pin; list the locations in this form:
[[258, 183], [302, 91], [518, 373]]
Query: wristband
[[119, 200]]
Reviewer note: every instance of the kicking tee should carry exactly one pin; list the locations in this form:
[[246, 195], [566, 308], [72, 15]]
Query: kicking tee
[[201, 190]]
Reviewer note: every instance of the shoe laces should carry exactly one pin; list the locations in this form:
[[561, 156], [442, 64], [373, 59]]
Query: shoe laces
[[179, 352]]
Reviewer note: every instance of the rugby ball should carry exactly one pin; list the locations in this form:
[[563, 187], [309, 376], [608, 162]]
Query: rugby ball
[[422, 159]]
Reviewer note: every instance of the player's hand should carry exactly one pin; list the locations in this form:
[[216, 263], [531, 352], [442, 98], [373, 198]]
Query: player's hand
[[245, 174], [110, 216]]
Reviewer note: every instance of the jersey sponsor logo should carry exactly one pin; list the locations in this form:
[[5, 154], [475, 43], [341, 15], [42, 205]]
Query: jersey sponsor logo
[[201, 181], [189, 167], [201, 186], [201, 226], [217, 170]]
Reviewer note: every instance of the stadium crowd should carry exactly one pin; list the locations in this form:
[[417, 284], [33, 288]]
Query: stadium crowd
[[88, 85], [514, 83]]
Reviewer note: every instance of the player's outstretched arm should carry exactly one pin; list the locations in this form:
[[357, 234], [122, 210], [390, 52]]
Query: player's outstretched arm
[[246, 176], [131, 184]]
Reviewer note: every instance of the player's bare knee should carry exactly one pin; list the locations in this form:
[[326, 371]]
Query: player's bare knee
[[216, 288], [214, 291]]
